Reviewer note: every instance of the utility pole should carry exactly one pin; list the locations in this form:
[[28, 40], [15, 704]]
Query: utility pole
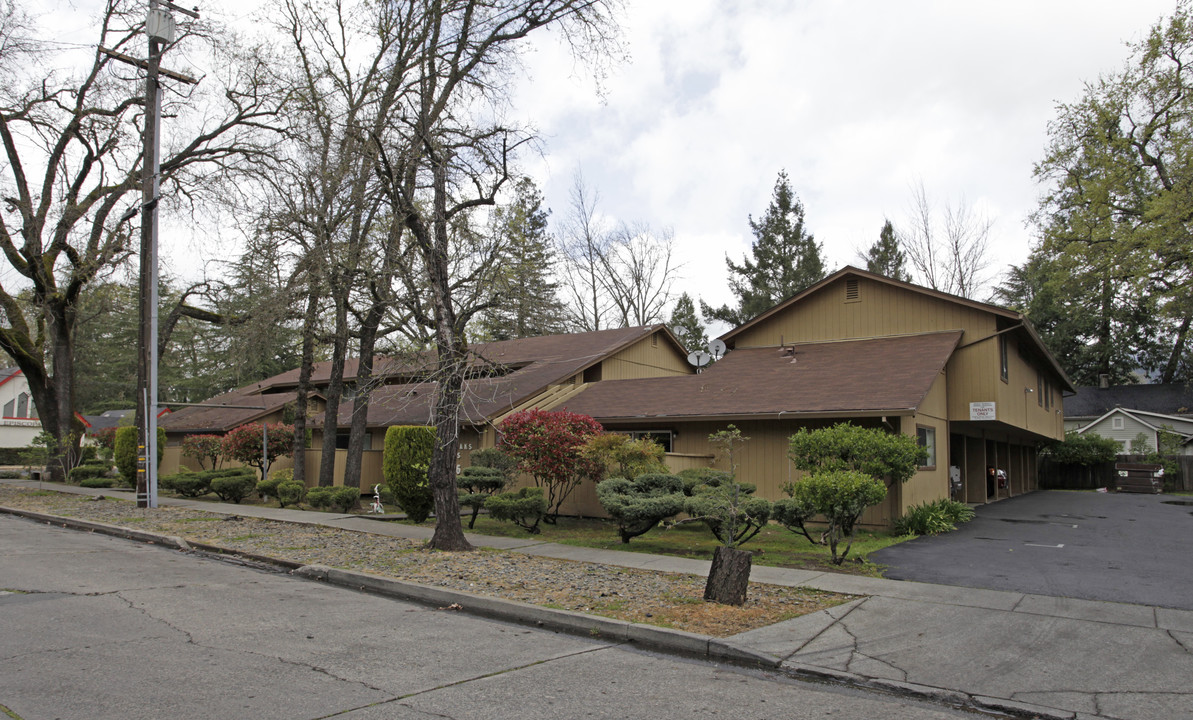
[[159, 27]]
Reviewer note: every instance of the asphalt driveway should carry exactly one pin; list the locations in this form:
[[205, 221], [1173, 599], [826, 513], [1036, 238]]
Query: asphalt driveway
[[1095, 546]]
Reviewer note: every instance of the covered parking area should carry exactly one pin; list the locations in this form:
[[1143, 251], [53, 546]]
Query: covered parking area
[[977, 446]]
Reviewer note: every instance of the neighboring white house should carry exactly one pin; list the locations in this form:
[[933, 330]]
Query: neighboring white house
[[18, 422], [1125, 425]]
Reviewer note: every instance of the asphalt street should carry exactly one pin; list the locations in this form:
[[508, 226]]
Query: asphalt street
[[1093, 546], [97, 627]]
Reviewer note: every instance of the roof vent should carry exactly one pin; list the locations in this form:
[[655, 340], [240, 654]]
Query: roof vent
[[853, 293], [1104, 381]]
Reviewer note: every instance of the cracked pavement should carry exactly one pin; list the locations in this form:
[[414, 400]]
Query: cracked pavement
[[97, 627]]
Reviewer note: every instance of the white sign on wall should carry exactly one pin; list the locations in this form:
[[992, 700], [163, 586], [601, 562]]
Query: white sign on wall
[[982, 411]]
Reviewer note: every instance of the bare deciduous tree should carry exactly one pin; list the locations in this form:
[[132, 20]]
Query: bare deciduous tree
[[639, 274], [71, 142], [950, 253]]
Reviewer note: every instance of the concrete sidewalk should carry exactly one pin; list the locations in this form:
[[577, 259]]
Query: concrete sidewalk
[[1029, 655]]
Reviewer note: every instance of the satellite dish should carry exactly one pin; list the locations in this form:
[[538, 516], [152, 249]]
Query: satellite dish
[[699, 358], [716, 348]]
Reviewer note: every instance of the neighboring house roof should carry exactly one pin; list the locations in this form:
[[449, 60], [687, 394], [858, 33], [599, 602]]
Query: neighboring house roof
[[1164, 398], [1153, 421], [1020, 320], [889, 375], [528, 367], [8, 373]]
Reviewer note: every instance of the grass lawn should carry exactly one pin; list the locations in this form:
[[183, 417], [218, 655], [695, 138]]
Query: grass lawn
[[774, 546]]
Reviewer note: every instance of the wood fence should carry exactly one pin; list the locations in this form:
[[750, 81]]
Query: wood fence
[[1075, 477]]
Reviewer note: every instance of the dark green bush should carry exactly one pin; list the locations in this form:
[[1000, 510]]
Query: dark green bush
[[840, 497], [290, 492], [524, 508], [496, 459], [792, 513], [97, 482], [88, 454], [268, 487], [404, 466], [695, 477], [731, 513], [939, 516], [319, 497], [476, 485], [344, 498], [232, 485], [187, 483], [126, 454], [88, 470], [642, 503]]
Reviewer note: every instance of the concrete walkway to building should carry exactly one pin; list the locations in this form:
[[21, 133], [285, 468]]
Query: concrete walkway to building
[[1023, 654]]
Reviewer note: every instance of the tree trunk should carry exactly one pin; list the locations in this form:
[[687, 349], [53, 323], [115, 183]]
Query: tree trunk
[[335, 388], [729, 576], [363, 387], [66, 430], [304, 384]]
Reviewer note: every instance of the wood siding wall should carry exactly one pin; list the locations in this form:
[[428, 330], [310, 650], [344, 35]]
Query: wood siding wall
[[652, 356]]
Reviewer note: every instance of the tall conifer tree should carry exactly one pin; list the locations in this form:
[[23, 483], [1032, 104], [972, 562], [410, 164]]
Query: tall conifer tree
[[885, 257], [785, 260]]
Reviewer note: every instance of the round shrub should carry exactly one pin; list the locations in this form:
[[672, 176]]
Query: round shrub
[[290, 492], [187, 483], [88, 470], [268, 487], [233, 485], [319, 497], [126, 454], [97, 482], [345, 497]]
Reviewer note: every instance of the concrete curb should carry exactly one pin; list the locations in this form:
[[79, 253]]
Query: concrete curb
[[647, 636], [659, 639], [954, 698], [574, 623]]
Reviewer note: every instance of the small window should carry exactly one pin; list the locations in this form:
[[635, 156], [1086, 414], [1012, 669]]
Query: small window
[[342, 438], [1040, 389], [926, 437], [10, 408], [1116, 423], [23, 405], [853, 291], [662, 437], [1004, 368]]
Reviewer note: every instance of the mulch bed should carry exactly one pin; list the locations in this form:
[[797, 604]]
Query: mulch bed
[[664, 599]]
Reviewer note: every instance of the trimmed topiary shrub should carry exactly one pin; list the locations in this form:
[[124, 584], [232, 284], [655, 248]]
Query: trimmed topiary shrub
[[840, 496], [97, 482], [404, 466], [344, 498], [290, 492], [319, 497], [268, 487], [477, 485], [695, 477], [524, 508], [232, 485], [933, 518], [87, 471], [731, 513], [187, 483], [642, 503]]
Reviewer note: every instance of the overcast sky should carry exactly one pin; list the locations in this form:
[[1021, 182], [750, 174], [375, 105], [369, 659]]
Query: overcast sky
[[856, 100]]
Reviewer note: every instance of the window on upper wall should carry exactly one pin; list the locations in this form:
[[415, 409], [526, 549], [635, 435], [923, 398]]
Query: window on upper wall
[[10, 408], [1116, 423], [1040, 389], [926, 437], [23, 405], [1004, 367], [662, 437]]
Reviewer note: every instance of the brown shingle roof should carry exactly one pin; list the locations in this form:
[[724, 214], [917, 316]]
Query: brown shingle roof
[[535, 364], [888, 374]]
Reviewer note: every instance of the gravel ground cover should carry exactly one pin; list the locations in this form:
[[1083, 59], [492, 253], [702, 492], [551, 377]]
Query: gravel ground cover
[[664, 599]]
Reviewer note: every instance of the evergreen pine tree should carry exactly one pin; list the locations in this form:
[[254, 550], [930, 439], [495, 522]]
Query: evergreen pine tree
[[686, 326], [885, 257], [527, 302], [786, 259]]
